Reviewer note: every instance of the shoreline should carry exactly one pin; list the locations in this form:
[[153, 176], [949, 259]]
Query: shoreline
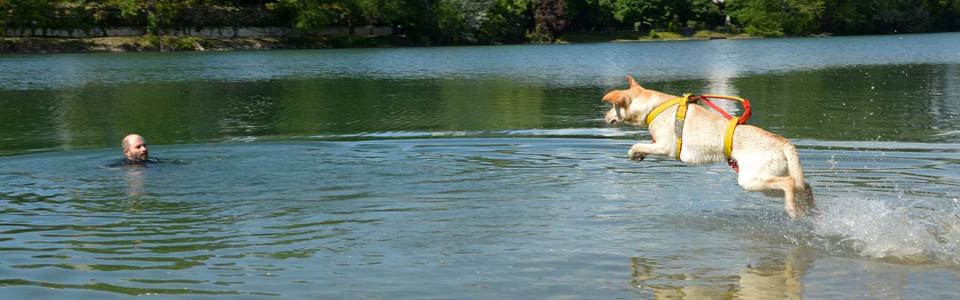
[[42, 45]]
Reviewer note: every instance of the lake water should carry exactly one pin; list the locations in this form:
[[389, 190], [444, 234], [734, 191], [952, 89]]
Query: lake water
[[475, 173]]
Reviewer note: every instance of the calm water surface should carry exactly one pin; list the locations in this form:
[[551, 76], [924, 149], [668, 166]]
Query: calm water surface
[[474, 172]]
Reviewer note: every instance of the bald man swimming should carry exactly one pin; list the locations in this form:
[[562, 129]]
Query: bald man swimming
[[135, 148]]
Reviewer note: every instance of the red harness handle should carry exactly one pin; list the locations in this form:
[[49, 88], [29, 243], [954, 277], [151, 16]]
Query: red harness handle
[[746, 106], [743, 119]]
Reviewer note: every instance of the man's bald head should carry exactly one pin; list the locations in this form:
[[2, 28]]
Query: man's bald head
[[135, 147]]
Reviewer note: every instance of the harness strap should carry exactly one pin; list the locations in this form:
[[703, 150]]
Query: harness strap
[[681, 117], [686, 99], [681, 103], [728, 139], [662, 107]]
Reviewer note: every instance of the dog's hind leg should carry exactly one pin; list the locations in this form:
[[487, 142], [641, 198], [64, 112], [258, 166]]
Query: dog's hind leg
[[806, 195], [803, 190], [784, 184]]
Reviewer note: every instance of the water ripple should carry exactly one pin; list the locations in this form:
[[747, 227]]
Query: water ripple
[[237, 218]]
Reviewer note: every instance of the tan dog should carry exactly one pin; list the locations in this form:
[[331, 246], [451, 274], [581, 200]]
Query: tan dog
[[768, 162]]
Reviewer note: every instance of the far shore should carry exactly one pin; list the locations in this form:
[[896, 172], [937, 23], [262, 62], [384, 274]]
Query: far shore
[[175, 43]]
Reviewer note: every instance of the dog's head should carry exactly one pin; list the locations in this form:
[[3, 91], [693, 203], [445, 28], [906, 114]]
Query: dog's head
[[631, 105]]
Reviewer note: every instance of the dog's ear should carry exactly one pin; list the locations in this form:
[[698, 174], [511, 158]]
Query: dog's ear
[[615, 97], [633, 83]]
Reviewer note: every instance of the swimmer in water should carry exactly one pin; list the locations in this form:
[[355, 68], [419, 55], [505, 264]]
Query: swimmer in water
[[136, 154], [135, 148]]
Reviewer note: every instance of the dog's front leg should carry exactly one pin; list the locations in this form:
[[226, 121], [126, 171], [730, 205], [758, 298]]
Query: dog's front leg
[[640, 151]]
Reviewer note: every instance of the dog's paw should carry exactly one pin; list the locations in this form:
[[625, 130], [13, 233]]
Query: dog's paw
[[636, 155]]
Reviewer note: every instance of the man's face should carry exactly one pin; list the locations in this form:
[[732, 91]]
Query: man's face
[[138, 149]]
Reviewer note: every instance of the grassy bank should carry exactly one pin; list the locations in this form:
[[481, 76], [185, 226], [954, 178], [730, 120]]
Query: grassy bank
[[634, 36], [171, 43]]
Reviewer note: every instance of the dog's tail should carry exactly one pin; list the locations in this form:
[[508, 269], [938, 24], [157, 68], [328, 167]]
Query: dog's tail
[[793, 165]]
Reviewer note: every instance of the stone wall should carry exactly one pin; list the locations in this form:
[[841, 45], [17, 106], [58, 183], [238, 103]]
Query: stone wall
[[206, 32]]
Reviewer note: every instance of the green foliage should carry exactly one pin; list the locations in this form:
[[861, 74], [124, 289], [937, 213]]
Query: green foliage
[[601, 36], [189, 43], [779, 17], [437, 21], [644, 11], [486, 21], [669, 36], [373, 12], [873, 17], [505, 23], [25, 13], [706, 34], [6, 14], [761, 17], [310, 16], [590, 14], [158, 13], [668, 14], [360, 41], [707, 12]]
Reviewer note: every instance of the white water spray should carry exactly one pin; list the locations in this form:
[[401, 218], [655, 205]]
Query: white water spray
[[876, 229]]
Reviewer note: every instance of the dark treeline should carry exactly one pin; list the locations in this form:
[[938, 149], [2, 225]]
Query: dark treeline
[[492, 21]]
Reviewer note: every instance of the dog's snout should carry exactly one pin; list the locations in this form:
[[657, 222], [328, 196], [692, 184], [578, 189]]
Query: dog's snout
[[613, 122]]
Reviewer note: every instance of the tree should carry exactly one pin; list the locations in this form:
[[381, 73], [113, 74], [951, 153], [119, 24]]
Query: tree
[[6, 13], [638, 11], [778, 17], [374, 12], [434, 21], [589, 14], [505, 22], [551, 18], [158, 15], [20, 14], [310, 16], [656, 13], [708, 12], [473, 13]]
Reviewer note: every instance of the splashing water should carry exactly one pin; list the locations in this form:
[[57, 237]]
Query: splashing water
[[876, 229]]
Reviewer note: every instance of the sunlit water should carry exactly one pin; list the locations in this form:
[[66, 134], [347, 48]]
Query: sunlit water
[[474, 172]]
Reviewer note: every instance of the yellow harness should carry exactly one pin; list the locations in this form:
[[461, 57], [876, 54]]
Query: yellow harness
[[683, 102]]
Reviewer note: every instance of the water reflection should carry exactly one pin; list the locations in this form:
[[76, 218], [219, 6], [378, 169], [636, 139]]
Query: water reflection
[[777, 275], [671, 282], [774, 274], [804, 105], [942, 89], [134, 175], [215, 97]]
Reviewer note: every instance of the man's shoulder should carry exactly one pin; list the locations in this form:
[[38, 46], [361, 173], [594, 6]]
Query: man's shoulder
[[126, 162]]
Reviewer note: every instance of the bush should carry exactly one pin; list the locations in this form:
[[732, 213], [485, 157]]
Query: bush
[[188, 43], [706, 34], [669, 36], [69, 16]]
